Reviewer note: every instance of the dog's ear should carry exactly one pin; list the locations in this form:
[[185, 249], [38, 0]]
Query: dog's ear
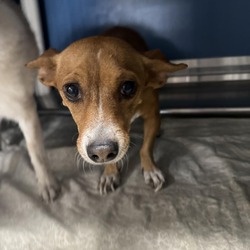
[[46, 65], [155, 54], [158, 68]]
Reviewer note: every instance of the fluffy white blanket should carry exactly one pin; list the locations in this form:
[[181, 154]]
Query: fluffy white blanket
[[204, 206]]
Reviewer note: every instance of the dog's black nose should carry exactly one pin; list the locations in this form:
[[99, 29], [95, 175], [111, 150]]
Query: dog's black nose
[[102, 152]]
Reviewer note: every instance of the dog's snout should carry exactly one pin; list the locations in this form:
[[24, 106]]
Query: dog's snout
[[102, 152]]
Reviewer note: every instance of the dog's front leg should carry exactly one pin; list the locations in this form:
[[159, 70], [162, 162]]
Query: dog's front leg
[[31, 128], [152, 174], [109, 180]]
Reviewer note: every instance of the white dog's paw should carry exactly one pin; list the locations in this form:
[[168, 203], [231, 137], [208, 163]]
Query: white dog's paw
[[49, 189], [154, 177], [108, 183]]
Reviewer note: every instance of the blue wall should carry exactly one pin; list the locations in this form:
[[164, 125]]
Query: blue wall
[[180, 28]]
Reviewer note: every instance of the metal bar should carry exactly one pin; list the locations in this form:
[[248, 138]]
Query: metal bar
[[213, 69], [185, 111], [206, 111]]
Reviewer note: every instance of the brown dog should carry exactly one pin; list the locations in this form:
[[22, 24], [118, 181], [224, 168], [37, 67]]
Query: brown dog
[[106, 83]]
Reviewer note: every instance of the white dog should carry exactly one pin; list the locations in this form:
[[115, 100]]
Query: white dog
[[17, 47]]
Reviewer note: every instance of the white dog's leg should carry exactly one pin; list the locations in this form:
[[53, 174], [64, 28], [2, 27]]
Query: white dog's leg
[[31, 128]]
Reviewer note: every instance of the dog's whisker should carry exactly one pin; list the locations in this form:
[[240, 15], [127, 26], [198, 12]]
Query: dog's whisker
[[84, 166], [76, 157], [91, 167], [81, 165], [132, 144], [136, 135], [126, 161], [87, 166], [123, 162], [75, 136], [120, 164], [79, 162], [76, 160]]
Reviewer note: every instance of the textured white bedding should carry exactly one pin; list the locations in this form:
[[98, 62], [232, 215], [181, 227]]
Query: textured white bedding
[[205, 204]]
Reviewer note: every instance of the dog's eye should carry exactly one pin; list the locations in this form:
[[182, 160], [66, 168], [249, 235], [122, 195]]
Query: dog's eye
[[128, 89], [72, 92]]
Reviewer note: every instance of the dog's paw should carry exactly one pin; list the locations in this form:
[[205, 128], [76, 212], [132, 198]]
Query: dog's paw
[[108, 183], [155, 178], [49, 189]]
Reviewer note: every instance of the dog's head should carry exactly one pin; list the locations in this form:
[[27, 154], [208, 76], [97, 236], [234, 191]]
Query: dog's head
[[102, 80]]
